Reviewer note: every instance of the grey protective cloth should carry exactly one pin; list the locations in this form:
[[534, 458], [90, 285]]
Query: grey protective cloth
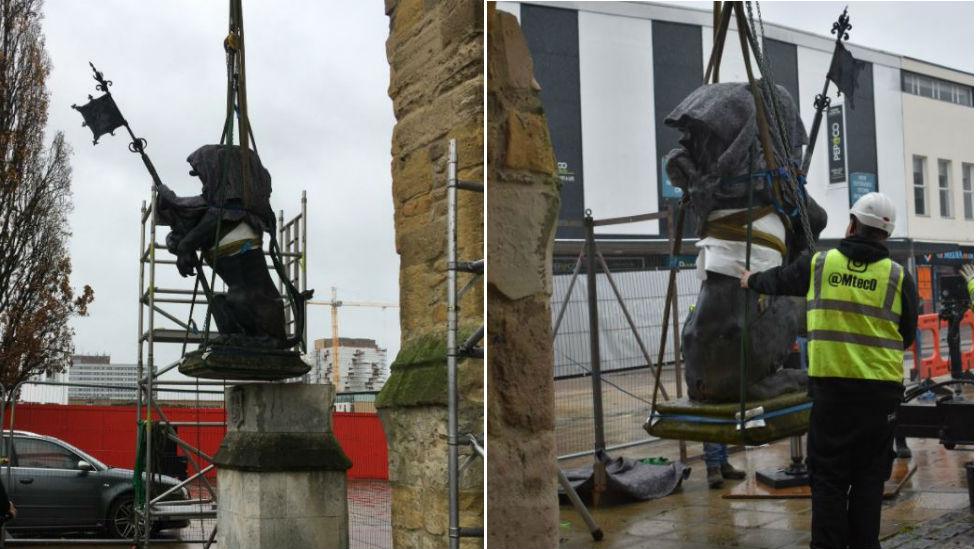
[[630, 480], [223, 194], [181, 213], [219, 168], [720, 139]]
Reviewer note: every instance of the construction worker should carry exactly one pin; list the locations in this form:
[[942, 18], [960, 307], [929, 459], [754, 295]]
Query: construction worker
[[861, 315]]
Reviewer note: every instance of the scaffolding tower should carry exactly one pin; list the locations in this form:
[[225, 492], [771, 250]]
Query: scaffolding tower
[[156, 304], [468, 349]]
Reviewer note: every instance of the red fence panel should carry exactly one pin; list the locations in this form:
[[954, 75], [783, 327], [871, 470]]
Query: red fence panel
[[361, 437], [109, 432], [105, 432]]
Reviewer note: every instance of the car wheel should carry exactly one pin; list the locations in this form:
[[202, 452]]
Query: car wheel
[[122, 518]]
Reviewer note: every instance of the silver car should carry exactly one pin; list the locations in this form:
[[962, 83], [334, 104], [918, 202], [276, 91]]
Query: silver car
[[56, 486]]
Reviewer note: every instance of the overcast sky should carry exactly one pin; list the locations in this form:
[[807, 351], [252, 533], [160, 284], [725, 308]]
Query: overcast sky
[[938, 32], [317, 80]]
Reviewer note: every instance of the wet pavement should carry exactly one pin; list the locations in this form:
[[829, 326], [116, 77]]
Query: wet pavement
[[951, 530], [369, 524], [934, 502]]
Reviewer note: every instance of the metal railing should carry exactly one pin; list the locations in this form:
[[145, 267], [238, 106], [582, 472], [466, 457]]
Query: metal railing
[[606, 343]]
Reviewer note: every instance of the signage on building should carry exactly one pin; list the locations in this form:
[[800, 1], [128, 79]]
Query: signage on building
[[861, 184], [836, 145], [565, 174], [667, 189], [953, 257], [683, 261]]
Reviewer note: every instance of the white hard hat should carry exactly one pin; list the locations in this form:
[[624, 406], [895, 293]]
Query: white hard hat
[[875, 210]]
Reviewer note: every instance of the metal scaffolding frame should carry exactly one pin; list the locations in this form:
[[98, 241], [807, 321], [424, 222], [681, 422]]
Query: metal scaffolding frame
[[592, 259], [468, 349], [292, 240]]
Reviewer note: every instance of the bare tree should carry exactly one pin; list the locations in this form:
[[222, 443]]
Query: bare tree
[[36, 297]]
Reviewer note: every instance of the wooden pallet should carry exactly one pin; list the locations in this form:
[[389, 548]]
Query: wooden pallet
[[750, 489]]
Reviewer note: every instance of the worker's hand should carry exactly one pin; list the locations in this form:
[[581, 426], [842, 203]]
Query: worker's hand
[[967, 271], [13, 510], [744, 279]]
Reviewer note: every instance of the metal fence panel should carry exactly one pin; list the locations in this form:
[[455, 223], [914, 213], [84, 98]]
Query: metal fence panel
[[628, 382]]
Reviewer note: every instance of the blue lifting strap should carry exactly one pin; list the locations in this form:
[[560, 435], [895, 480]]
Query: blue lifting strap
[[767, 177]]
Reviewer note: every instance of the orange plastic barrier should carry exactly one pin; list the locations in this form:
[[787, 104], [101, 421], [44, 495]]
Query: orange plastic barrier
[[929, 326]]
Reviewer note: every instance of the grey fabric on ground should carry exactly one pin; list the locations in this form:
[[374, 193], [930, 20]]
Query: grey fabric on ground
[[629, 480]]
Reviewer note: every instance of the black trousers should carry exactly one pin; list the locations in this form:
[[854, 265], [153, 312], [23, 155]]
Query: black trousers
[[849, 457]]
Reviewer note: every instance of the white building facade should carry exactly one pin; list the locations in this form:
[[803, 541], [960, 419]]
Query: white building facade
[[107, 381], [938, 154]]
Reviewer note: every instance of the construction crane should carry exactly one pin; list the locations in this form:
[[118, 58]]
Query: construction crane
[[334, 303]]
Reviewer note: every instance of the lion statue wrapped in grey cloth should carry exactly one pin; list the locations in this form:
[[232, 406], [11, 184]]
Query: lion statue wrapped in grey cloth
[[719, 157]]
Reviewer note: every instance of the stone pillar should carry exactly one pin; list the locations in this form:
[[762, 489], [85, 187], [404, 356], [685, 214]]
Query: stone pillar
[[435, 54], [523, 206], [281, 473]]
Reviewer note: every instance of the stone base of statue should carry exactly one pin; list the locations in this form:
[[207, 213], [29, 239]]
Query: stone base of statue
[[243, 363], [281, 473]]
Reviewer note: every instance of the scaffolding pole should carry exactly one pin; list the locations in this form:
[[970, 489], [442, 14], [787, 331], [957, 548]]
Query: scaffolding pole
[[454, 352], [151, 374]]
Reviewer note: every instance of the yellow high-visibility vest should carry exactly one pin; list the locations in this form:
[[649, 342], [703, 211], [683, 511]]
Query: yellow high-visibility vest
[[853, 310]]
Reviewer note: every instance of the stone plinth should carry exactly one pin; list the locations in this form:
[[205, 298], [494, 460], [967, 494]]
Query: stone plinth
[[523, 205], [281, 473]]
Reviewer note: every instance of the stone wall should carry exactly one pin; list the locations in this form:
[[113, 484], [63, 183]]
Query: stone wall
[[523, 206], [435, 55]]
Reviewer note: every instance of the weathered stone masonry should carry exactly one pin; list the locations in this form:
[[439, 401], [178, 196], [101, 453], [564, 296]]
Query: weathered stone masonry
[[435, 55], [523, 206]]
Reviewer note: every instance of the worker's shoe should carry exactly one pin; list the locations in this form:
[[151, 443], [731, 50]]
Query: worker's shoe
[[903, 452], [715, 477], [732, 473]]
